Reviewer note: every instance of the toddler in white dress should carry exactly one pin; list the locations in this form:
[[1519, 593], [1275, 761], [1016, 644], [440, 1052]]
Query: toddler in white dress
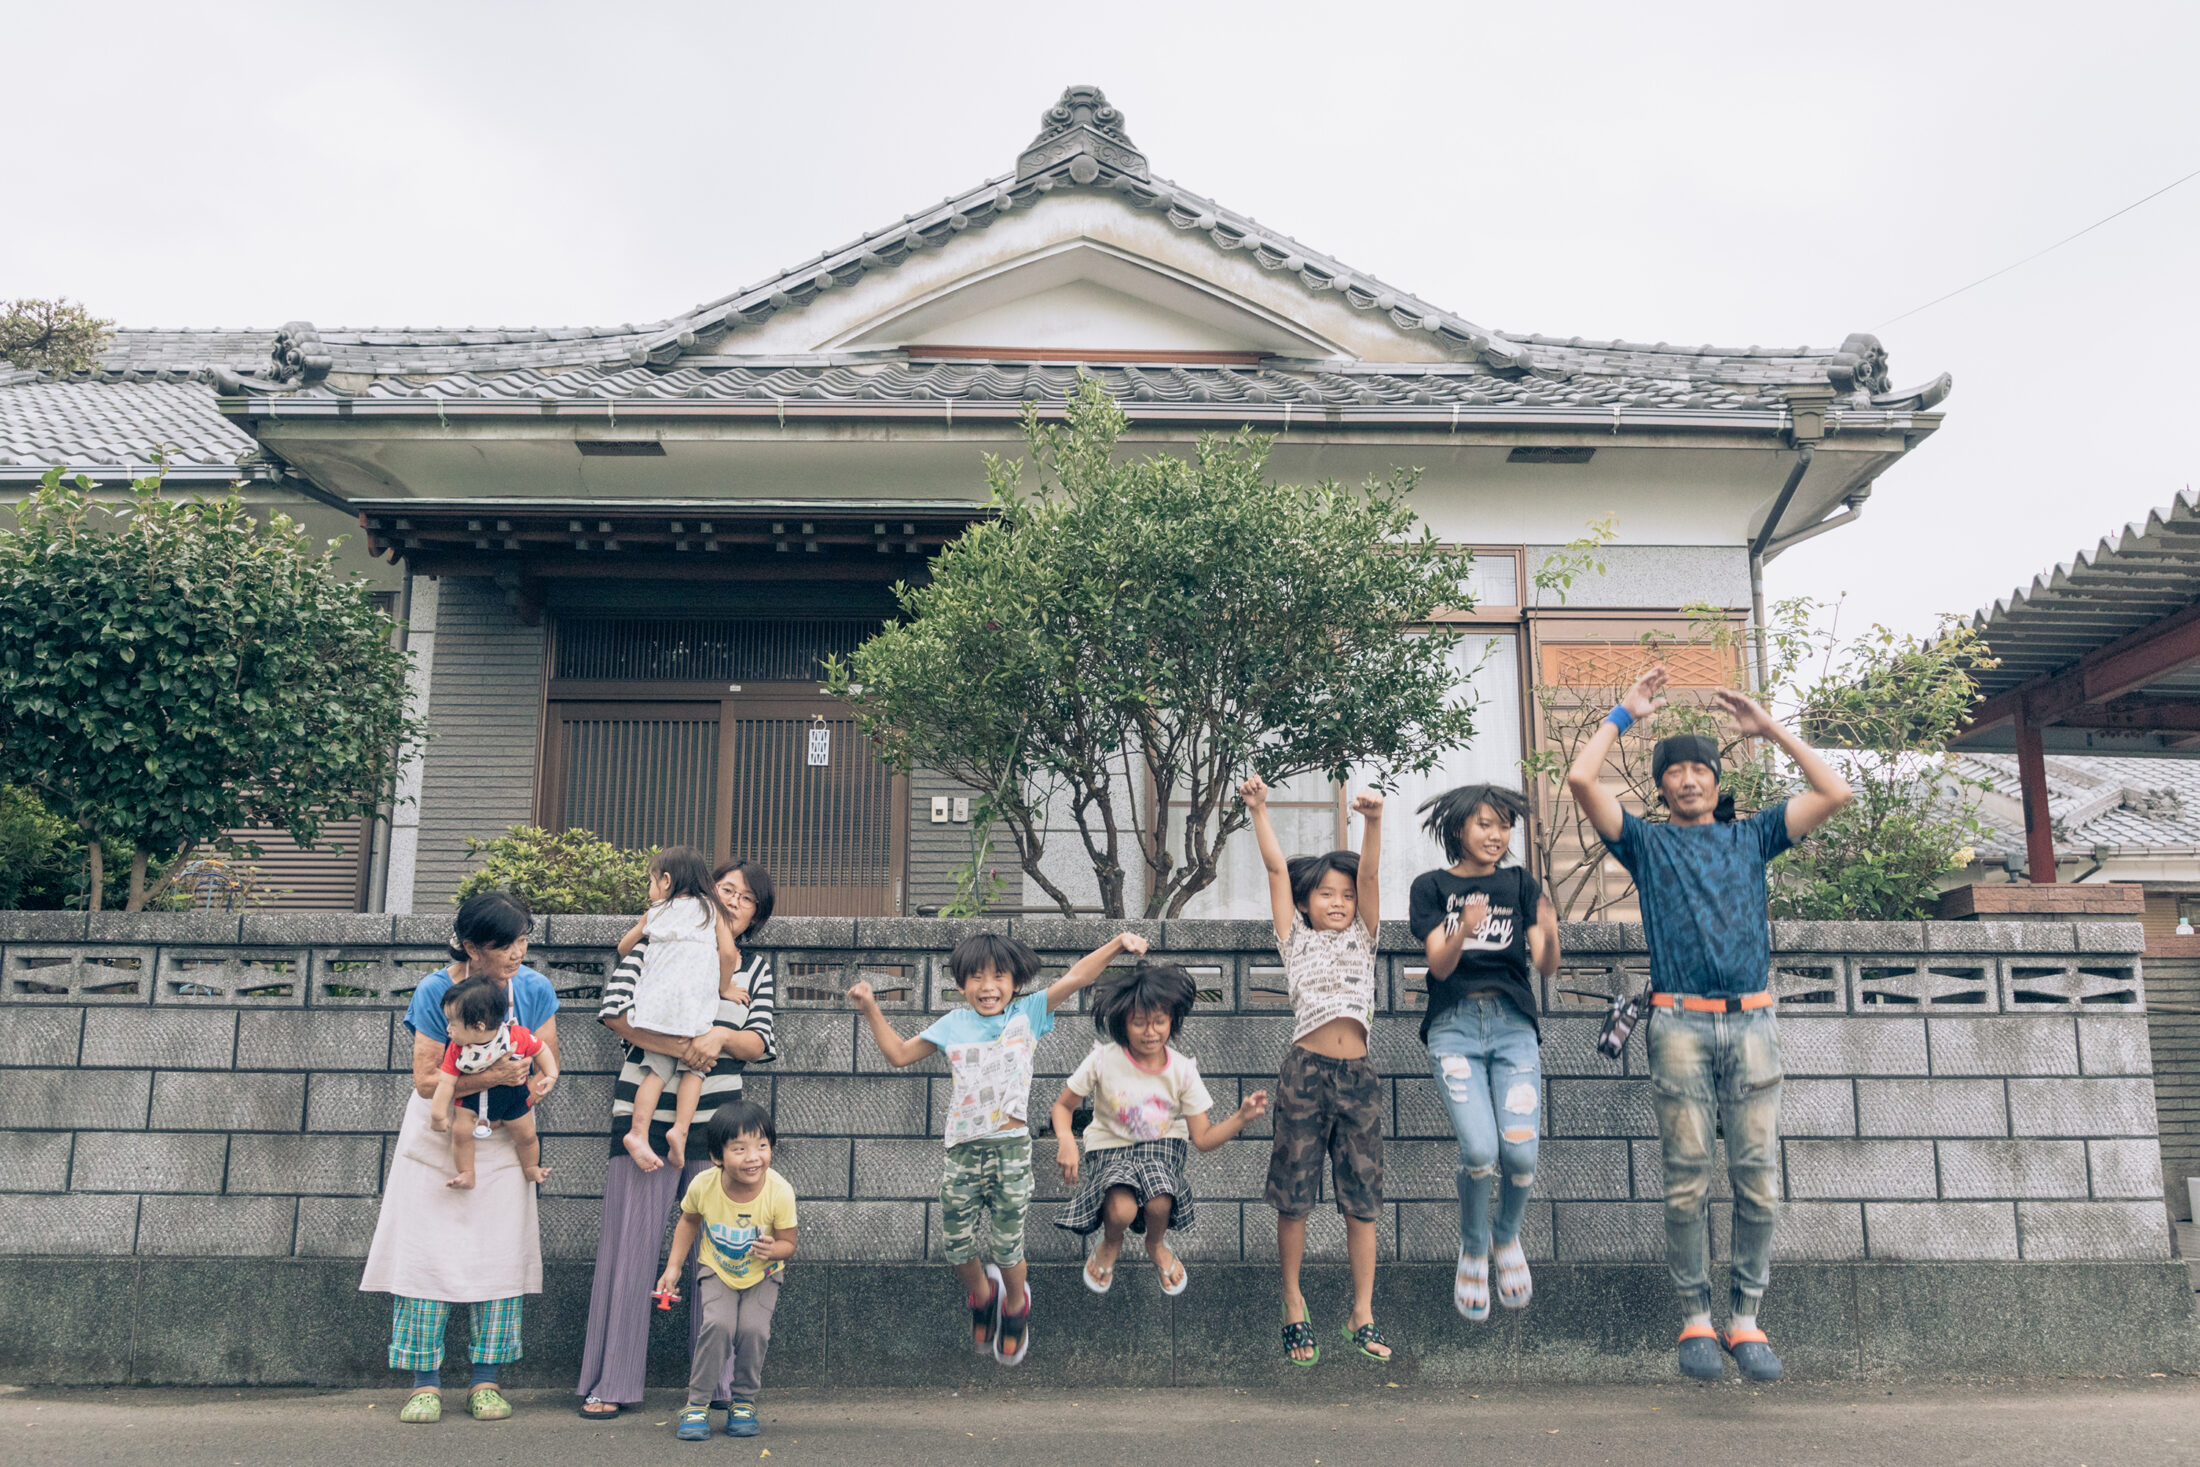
[[691, 955]]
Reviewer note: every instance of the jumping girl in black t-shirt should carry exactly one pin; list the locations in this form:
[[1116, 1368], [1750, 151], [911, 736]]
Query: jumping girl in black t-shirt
[[1481, 927]]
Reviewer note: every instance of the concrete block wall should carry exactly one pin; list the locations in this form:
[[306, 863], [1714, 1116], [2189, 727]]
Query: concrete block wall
[[212, 1085]]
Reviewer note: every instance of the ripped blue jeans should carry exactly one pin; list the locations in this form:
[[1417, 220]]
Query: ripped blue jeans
[[1718, 1074], [1489, 1074]]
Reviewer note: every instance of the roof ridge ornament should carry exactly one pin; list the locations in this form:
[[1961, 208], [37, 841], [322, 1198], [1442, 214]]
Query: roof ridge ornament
[[1083, 130]]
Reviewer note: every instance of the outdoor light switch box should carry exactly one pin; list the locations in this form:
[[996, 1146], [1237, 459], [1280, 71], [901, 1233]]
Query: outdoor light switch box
[[962, 810], [939, 809]]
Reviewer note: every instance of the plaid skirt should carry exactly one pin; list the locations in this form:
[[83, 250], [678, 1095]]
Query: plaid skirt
[[1149, 1169]]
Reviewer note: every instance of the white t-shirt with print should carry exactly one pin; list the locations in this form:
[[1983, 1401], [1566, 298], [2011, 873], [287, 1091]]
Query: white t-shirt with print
[[1130, 1104], [991, 1057], [1331, 975]]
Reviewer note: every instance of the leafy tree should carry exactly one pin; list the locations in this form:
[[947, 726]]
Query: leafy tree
[[559, 871], [32, 847], [53, 336], [170, 669], [1161, 625]]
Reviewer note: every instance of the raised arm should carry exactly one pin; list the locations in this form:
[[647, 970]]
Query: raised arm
[[899, 1052], [1585, 780], [1089, 967], [1369, 807], [1285, 911], [1828, 791]]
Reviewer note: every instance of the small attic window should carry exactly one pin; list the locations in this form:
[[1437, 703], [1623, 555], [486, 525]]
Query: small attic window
[[1549, 455], [619, 447]]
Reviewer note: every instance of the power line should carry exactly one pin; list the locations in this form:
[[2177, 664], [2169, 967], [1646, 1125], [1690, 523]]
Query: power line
[[2028, 259]]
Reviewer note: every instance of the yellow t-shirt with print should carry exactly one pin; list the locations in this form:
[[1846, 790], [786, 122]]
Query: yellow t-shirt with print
[[730, 1228]]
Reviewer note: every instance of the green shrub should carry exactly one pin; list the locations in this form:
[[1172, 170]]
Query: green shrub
[[568, 871], [35, 851]]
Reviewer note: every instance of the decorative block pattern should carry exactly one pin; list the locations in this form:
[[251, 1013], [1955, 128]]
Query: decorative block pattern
[[1811, 984], [2088, 984], [1925, 985], [258, 977], [85, 975], [370, 977]]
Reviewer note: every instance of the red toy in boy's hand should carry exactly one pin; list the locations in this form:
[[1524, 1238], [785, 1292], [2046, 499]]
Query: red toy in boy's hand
[[665, 1298]]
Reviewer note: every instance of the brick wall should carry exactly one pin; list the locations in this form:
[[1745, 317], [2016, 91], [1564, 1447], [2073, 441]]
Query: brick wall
[[219, 1086]]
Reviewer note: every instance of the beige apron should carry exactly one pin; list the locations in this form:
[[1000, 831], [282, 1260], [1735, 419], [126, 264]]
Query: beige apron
[[434, 1242]]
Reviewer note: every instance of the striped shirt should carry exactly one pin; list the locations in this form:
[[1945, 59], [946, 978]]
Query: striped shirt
[[722, 1084]]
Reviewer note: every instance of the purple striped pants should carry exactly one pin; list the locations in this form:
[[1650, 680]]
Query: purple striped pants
[[629, 1256]]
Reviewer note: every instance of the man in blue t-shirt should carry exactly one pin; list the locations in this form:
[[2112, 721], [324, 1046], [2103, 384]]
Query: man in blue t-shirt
[[1714, 1039]]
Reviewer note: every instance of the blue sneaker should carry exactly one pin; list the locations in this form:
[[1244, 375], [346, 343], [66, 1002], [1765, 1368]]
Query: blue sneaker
[[1701, 1358], [741, 1420], [694, 1425]]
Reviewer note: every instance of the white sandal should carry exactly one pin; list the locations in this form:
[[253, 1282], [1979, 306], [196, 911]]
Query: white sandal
[[1100, 1286]]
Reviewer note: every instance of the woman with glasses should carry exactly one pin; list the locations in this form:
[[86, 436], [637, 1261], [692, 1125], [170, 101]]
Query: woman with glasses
[[636, 1203]]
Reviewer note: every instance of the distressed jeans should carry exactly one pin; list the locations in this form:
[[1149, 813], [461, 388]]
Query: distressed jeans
[[1718, 1070], [1489, 1073]]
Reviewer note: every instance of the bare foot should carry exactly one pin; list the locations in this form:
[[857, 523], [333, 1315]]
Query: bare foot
[[464, 1182], [536, 1173], [637, 1146], [1380, 1350], [676, 1146]]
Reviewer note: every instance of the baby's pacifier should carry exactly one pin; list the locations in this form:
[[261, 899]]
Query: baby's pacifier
[[481, 1130]]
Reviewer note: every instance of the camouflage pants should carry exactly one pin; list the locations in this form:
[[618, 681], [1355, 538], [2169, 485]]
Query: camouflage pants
[[992, 1177], [1329, 1108]]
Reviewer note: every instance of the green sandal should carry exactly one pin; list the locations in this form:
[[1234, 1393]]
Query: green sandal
[[426, 1405], [1363, 1337], [1298, 1334], [488, 1403]]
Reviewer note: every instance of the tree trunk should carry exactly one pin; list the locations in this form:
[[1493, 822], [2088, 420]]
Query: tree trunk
[[98, 882], [137, 883]]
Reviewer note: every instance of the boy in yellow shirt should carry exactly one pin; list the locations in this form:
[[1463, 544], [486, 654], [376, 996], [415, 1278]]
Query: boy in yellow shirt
[[745, 1212]]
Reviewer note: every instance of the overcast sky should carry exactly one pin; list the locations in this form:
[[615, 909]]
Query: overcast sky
[[1678, 172]]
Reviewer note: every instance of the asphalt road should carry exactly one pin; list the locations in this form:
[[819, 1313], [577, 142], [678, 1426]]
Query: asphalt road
[[2068, 1423]]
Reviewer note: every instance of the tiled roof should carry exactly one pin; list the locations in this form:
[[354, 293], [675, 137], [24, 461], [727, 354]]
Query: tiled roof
[[2126, 804], [1082, 144], [2130, 581], [110, 429], [900, 380]]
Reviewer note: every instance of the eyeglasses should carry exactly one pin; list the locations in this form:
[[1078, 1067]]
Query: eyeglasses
[[739, 898]]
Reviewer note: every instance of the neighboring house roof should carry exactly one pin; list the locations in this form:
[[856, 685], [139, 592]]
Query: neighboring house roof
[[110, 430], [2151, 569], [2132, 806], [1082, 145]]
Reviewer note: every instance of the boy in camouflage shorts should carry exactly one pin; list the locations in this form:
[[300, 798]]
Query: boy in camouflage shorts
[[990, 1048]]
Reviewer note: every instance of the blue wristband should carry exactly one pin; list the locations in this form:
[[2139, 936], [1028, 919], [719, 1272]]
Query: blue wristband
[[1620, 718]]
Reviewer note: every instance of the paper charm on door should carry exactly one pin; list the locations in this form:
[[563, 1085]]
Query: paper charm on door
[[821, 747]]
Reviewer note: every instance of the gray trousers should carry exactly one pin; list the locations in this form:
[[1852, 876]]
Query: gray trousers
[[737, 1325]]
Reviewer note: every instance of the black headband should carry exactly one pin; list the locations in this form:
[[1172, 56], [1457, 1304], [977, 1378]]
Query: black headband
[[1684, 749]]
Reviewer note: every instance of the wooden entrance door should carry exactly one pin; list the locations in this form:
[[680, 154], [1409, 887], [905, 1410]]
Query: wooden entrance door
[[777, 774]]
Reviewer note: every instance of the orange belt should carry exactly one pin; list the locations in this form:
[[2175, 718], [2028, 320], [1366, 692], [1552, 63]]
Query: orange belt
[[1762, 1000]]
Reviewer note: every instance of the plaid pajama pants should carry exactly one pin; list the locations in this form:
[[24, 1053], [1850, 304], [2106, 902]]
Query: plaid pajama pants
[[416, 1332]]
